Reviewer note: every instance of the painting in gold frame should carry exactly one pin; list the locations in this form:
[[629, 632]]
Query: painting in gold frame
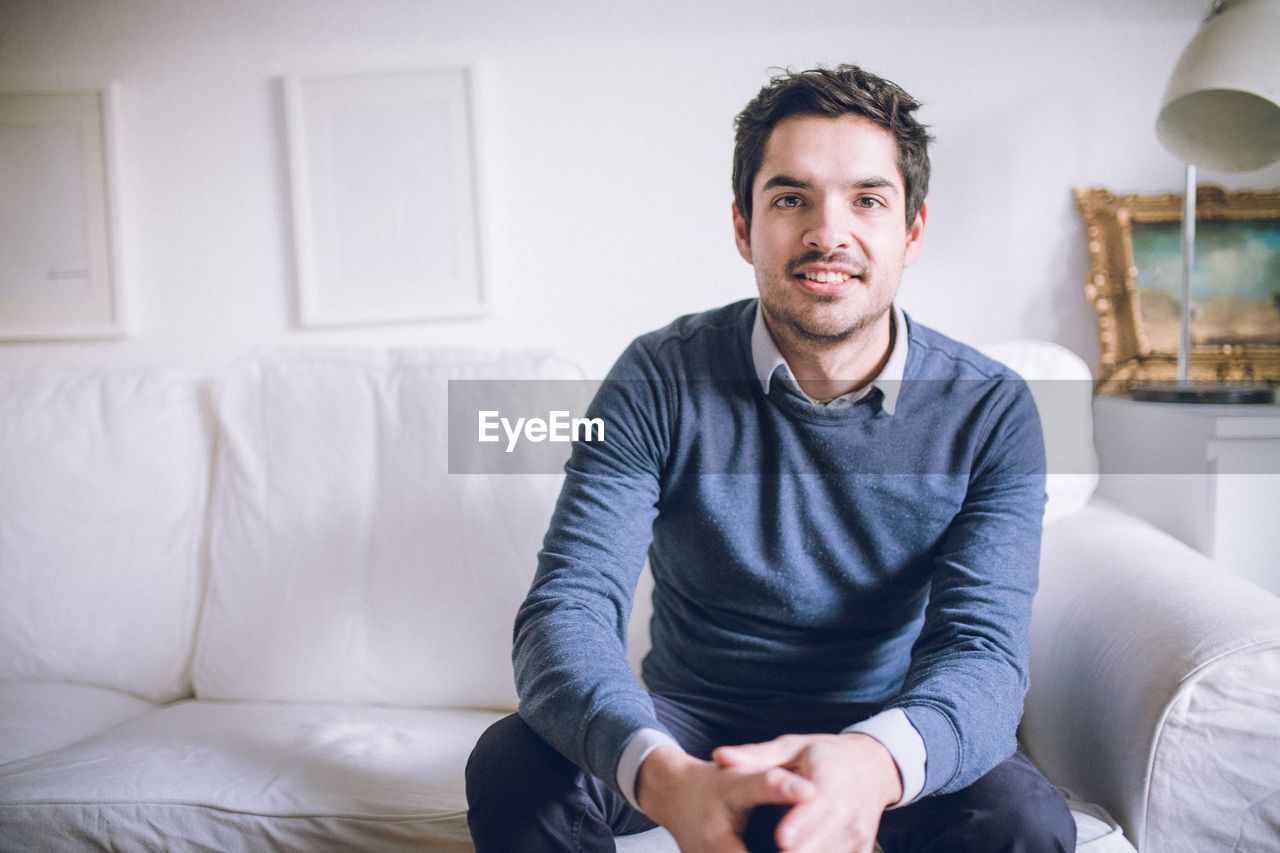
[[1134, 285]]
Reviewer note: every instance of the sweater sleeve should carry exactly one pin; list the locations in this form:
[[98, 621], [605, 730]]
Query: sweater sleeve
[[968, 674], [576, 687]]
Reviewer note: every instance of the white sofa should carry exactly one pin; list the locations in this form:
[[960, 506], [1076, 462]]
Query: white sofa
[[255, 611]]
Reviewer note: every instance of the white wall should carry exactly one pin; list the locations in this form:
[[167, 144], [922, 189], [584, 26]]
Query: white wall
[[606, 133]]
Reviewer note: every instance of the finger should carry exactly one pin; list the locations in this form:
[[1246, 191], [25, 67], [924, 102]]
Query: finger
[[814, 827], [757, 756], [772, 786], [802, 825], [831, 841], [826, 841]]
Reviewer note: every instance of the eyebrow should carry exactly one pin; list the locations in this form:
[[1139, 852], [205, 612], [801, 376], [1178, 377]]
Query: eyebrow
[[870, 183]]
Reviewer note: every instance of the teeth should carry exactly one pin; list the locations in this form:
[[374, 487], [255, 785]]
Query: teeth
[[827, 277]]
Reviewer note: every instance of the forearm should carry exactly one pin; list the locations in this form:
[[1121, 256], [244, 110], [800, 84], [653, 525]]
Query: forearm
[[964, 689], [575, 685], [968, 675]]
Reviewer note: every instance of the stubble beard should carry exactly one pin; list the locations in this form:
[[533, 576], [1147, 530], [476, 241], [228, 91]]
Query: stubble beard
[[805, 330]]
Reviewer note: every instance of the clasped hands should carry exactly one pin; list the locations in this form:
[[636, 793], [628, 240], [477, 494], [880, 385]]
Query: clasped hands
[[837, 787]]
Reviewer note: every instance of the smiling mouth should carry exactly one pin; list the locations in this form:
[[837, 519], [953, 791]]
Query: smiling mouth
[[826, 277]]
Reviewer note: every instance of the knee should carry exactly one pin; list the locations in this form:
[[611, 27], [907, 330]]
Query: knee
[[488, 754], [1013, 809], [523, 795], [1040, 823], [511, 762], [487, 773]]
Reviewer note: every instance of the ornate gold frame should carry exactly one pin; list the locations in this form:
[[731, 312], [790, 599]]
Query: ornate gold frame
[[1112, 288]]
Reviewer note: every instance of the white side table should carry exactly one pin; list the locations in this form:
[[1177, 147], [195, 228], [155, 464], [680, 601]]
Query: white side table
[[1209, 475]]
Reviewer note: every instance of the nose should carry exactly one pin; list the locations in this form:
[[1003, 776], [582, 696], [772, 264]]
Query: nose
[[830, 228]]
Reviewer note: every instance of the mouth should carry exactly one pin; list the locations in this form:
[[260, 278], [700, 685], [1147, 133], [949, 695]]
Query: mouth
[[826, 280]]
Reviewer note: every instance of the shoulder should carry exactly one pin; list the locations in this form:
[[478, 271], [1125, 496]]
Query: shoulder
[[933, 355], [702, 345], [974, 388], [977, 397]]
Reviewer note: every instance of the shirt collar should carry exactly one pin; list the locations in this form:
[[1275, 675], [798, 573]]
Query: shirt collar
[[768, 359]]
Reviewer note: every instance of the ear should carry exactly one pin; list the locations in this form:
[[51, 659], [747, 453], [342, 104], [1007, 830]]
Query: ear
[[915, 236], [741, 234]]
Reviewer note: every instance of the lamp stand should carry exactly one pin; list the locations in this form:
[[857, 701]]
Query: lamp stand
[[1183, 390], [1188, 270]]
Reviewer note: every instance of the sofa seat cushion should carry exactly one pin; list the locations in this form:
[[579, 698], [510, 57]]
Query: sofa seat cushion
[[240, 776], [37, 717], [1096, 832]]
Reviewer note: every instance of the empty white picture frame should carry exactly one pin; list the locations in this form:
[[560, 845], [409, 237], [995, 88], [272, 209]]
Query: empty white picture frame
[[58, 255], [382, 177]]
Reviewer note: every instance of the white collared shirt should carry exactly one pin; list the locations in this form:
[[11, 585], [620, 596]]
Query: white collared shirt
[[768, 361]]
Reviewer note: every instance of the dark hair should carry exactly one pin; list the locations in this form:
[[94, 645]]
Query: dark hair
[[834, 92]]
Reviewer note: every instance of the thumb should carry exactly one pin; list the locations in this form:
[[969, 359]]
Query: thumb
[[757, 756]]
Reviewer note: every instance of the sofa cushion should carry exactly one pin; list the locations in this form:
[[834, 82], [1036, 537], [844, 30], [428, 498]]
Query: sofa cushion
[[1062, 387], [237, 776], [247, 776], [104, 478], [38, 717], [1096, 832], [347, 564]]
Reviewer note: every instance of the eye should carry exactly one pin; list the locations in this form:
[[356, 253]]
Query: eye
[[868, 202], [789, 200]]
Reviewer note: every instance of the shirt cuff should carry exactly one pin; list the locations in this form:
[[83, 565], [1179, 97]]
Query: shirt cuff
[[634, 753], [896, 734]]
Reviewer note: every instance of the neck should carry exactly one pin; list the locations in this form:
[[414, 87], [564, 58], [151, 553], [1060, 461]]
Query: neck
[[829, 370]]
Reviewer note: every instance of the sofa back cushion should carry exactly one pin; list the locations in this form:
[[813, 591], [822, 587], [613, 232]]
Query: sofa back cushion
[[346, 563], [104, 479], [1062, 386]]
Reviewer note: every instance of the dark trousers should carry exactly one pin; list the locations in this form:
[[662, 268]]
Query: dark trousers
[[524, 796]]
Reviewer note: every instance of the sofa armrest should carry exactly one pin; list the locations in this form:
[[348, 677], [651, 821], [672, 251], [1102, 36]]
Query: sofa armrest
[[1155, 685]]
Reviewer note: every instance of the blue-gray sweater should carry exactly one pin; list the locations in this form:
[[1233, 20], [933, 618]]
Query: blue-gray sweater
[[804, 559]]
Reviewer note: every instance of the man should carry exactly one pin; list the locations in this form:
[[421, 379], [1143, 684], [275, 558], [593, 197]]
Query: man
[[842, 513]]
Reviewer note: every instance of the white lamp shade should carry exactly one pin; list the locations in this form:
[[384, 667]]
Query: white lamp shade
[[1222, 105]]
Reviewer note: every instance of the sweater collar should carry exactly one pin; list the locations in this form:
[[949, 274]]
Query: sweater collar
[[768, 361]]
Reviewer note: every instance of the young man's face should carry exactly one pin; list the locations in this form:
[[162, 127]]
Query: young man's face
[[828, 236]]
